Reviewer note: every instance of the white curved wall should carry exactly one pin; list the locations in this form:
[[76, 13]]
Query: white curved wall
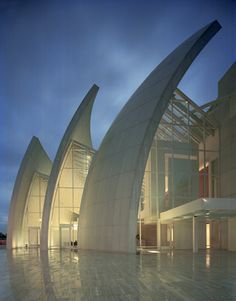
[[112, 191], [35, 161], [78, 131]]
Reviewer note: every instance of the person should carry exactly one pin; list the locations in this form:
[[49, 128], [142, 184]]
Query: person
[[137, 243], [138, 239]]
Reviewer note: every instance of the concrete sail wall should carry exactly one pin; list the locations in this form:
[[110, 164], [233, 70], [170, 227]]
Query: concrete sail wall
[[108, 214], [35, 161], [78, 130]]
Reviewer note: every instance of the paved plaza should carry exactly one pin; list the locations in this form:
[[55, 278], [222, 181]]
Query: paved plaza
[[85, 275]]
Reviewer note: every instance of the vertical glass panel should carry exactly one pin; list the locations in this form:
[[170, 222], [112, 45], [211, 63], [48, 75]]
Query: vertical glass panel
[[183, 162], [54, 237], [79, 178], [66, 197], [65, 236], [66, 178], [34, 219], [56, 198], [43, 186], [34, 191], [42, 198], [55, 216], [77, 197], [34, 204], [34, 207], [65, 215], [33, 236], [68, 161]]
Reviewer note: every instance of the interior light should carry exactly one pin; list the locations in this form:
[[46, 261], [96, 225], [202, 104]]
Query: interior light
[[75, 226]]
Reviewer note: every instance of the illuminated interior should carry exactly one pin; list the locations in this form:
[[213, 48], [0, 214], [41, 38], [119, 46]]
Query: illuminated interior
[[208, 236], [182, 166], [34, 210], [67, 196]]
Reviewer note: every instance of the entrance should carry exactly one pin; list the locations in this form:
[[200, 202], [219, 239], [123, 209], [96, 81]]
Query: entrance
[[65, 237], [33, 236], [170, 235]]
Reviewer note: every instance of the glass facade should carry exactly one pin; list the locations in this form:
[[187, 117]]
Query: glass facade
[[63, 227], [182, 165], [34, 210]]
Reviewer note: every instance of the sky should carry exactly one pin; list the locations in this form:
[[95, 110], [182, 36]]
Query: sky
[[52, 52]]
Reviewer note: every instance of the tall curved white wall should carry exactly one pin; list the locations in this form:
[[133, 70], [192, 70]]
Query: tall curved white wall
[[111, 197], [78, 131], [35, 161]]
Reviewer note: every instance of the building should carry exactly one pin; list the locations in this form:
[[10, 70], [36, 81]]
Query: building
[[66, 182], [26, 208], [50, 205], [193, 167], [163, 176]]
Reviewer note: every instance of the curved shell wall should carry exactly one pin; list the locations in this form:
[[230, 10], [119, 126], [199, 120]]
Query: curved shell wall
[[112, 191], [35, 161], [78, 131]]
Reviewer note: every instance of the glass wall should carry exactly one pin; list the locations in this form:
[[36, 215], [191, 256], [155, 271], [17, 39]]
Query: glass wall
[[182, 165], [67, 196], [34, 210]]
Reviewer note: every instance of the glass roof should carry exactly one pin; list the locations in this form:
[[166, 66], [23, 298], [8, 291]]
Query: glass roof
[[185, 121]]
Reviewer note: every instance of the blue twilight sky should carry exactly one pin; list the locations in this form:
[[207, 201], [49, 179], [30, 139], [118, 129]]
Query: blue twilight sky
[[53, 51]]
